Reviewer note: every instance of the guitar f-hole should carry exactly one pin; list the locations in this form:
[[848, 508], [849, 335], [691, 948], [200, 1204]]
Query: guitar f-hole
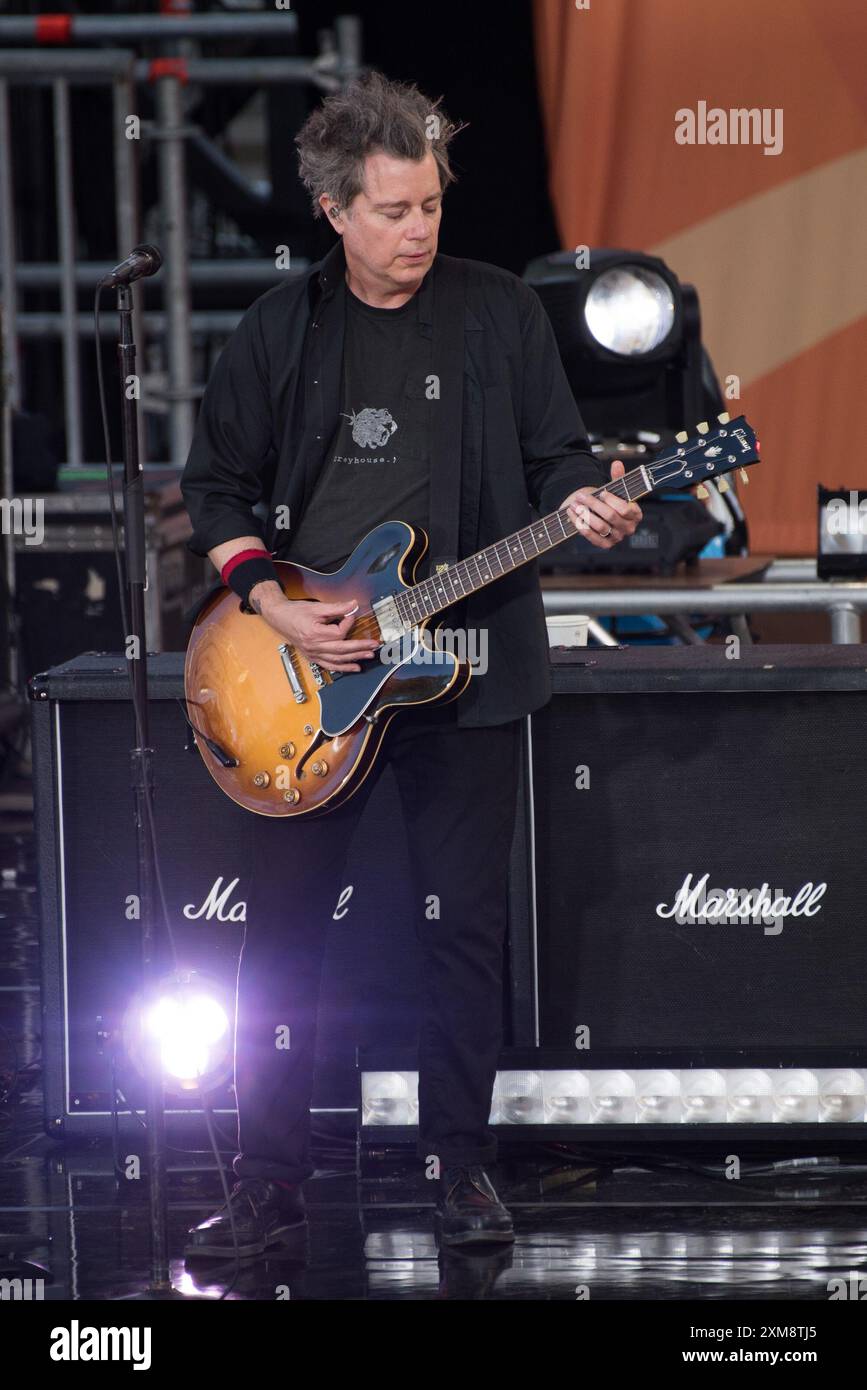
[[318, 740]]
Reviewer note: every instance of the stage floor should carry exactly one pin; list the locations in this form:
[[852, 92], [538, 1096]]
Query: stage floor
[[629, 1236]]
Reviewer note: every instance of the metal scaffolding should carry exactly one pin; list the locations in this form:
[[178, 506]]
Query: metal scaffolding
[[125, 72]]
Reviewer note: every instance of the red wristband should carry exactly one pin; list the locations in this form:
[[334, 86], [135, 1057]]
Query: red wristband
[[239, 559]]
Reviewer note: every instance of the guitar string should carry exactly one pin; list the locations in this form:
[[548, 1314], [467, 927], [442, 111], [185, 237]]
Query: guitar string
[[368, 623], [629, 487], [620, 487], [623, 487]]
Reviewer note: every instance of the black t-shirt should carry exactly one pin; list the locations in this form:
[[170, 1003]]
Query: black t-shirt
[[377, 467]]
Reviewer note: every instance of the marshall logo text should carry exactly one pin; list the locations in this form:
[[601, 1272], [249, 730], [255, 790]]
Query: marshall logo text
[[216, 904], [698, 903]]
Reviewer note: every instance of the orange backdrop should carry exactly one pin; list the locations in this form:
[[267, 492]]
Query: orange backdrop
[[776, 244]]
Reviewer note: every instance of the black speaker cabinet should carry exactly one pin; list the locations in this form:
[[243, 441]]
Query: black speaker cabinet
[[671, 787], [657, 785], [82, 730]]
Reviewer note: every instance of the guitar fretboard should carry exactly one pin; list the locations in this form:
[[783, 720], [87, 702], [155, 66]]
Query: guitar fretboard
[[441, 590]]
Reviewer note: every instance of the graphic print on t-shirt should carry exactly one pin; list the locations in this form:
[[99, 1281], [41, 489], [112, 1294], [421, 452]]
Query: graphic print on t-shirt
[[372, 429]]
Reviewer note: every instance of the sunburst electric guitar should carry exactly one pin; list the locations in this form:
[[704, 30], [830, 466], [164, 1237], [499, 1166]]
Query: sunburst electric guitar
[[283, 737]]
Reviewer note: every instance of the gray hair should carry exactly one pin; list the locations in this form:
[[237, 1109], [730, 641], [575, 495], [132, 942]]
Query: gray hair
[[372, 113]]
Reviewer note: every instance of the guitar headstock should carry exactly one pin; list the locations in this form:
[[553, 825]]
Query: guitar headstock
[[707, 456]]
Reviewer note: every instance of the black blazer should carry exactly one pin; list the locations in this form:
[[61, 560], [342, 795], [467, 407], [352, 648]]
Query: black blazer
[[508, 436]]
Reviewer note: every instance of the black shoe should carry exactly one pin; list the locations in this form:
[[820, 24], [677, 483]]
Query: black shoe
[[265, 1214], [469, 1211]]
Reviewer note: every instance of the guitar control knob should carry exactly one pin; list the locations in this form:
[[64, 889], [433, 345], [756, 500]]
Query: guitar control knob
[[287, 750], [262, 779], [319, 769], [292, 796]]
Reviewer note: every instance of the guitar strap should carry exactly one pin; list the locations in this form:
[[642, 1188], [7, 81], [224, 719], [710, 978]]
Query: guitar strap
[[447, 363]]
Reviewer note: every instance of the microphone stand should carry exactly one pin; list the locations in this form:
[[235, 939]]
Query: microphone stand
[[142, 755]]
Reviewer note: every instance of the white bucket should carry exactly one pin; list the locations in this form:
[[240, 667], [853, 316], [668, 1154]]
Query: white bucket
[[567, 629]]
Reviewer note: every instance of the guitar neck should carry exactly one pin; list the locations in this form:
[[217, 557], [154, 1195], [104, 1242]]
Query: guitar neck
[[441, 590]]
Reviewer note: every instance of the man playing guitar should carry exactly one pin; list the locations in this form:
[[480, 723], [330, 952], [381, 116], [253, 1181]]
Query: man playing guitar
[[341, 400]]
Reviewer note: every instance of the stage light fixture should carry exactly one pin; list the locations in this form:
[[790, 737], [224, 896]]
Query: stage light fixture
[[796, 1097], [629, 336], [842, 1095], [184, 1027], [704, 1096], [749, 1093], [630, 310], [566, 1097], [389, 1098], [518, 1098], [632, 1098]]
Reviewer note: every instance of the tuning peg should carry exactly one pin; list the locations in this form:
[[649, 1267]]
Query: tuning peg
[[745, 477], [724, 418], [702, 492], [703, 427], [722, 484], [682, 437]]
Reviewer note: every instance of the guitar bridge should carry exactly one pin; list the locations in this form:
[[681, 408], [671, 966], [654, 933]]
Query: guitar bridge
[[286, 655]]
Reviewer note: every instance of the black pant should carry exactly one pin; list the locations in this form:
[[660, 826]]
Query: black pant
[[458, 790]]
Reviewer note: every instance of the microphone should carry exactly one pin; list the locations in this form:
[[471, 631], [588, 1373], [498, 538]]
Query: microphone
[[142, 260]]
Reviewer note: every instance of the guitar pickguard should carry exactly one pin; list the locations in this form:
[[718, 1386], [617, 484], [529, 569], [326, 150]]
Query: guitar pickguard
[[343, 702]]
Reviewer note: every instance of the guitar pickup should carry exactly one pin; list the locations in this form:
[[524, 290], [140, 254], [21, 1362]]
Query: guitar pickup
[[391, 625]]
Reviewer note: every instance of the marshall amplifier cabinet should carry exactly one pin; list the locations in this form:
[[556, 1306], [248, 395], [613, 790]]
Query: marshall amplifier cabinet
[[82, 732], [687, 884], [696, 848]]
